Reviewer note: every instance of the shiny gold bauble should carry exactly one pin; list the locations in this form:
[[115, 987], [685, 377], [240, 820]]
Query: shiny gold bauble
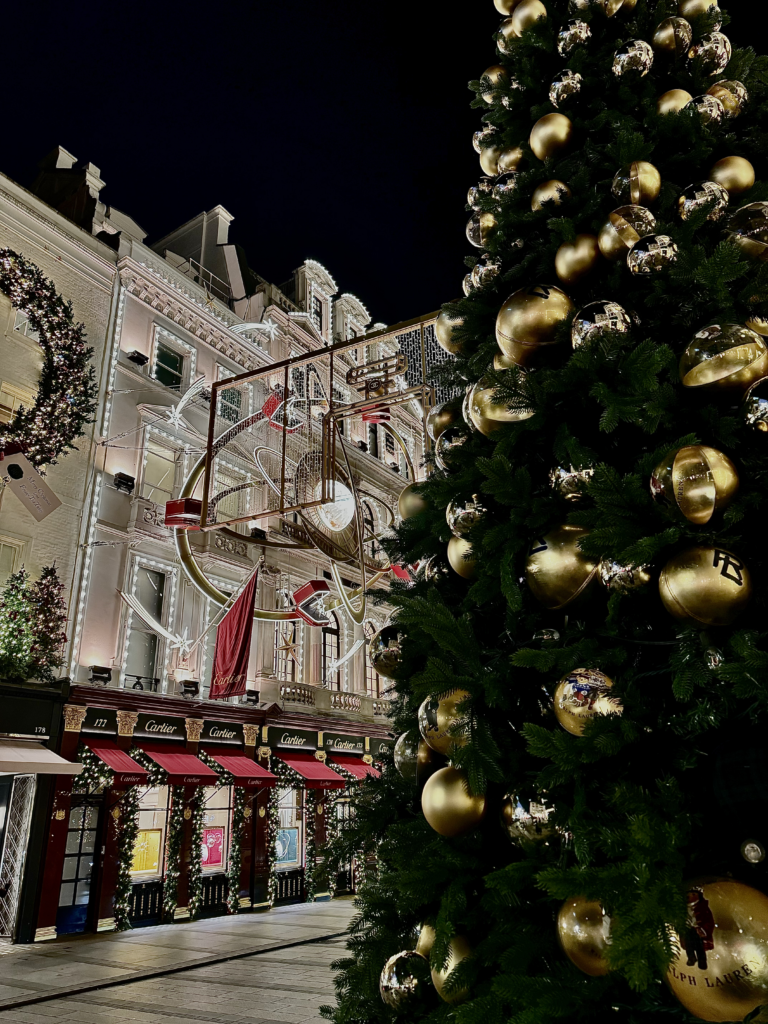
[[734, 173], [673, 101], [384, 652], [551, 136], [749, 230], [527, 820], [557, 571], [581, 696], [724, 357], [499, 79], [489, 160], [505, 7], [428, 761], [583, 929], [611, 7], [758, 325], [733, 95], [404, 980], [481, 227], [637, 183], [409, 503], [529, 319], [705, 585], [526, 14], [448, 806], [673, 36], [720, 972], [510, 159], [406, 754], [461, 558], [458, 949], [445, 332], [462, 514], [426, 940], [694, 8], [550, 191], [623, 229], [575, 260], [502, 362], [697, 480], [441, 725], [487, 417], [441, 417]]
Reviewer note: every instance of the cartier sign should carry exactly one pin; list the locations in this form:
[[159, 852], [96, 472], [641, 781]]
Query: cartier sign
[[228, 734], [380, 748], [338, 743], [292, 739], [160, 727]]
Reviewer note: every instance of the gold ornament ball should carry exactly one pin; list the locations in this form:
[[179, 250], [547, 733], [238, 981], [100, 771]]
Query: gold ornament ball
[[502, 362], [638, 183], [583, 930], [526, 14], [481, 227], [724, 357], [734, 173], [612, 7], [551, 136], [489, 160], [428, 761], [426, 940], [448, 806], [673, 101], [510, 159], [581, 696], [487, 417], [575, 260], [440, 723], [694, 8], [499, 79], [406, 755], [673, 36], [623, 229], [506, 7], [697, 480], [720, 972], [384, 652], [550, 191], [557, 571], [404, 979], [529, 319], [445, 332], [441, 417], [705, 586], [458, 949], [461, 558], [749, 230], [462, 514], [409, 503], [733, 95]]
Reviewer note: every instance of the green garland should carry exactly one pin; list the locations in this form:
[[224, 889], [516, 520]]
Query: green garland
[[292, 779], [66, 391], [129, 830], [235, 854], [196, 862], [273, 830], [173, 853], [95, 775]]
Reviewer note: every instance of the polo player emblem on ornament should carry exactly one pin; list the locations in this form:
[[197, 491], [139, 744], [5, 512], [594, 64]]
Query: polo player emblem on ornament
[[698, 939]]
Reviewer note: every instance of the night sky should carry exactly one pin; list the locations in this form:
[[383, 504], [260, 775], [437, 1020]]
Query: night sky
[[339, 131]]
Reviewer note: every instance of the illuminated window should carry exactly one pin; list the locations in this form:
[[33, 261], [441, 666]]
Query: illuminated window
[[230, 400], [331, 649], [317, 312], [148, 850], [159, 477], [11, 398], [142, 642], [169, 366], [289, 846], [217, 816]]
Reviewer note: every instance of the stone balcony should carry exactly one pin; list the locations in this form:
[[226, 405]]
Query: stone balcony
[[316, 700]]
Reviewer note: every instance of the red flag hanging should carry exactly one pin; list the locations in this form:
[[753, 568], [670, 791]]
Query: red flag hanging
[[233, 645]]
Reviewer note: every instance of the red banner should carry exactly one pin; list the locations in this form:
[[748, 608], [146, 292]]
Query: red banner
[[233, 645]]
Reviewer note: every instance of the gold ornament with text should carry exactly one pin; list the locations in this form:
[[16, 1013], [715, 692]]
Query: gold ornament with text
[[441, 724], [697, 480], [705, 586], [557, 571], [584, 694]]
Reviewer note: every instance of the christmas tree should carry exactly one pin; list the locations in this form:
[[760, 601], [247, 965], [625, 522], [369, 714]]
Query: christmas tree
[[574, 826], [32, 626]]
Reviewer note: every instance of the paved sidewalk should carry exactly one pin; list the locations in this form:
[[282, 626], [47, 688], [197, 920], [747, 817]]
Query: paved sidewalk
[[276, 950]]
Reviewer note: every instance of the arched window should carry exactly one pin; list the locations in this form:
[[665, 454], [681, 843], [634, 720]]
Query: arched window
[[331, 649]]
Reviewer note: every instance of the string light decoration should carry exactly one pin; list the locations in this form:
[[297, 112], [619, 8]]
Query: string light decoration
[[66, 391], [235, 857], [128, 824], [173, 853], [32, 620], [196, 863], [95, 775], [291, 778], [273, 831]]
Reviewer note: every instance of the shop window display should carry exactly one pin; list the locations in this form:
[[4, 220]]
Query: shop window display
[[150, 840]]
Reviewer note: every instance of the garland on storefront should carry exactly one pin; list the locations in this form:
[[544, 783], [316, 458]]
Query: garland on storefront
[[95, 774], [235, 857], [291, 778], [156, 776], [196, 860], [173, 841], [66, 391], [129, 830], [273, 830]]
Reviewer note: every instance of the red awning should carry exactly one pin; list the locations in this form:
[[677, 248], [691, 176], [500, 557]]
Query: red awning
[[127, 772], [246, 772], [183, 769], [317, 774], [356, 765]]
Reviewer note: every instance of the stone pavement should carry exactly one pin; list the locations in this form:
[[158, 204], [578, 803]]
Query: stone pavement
[[246, 969]]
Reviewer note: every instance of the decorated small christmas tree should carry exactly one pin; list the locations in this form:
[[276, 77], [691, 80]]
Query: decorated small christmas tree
[[575, 824], [32, 626]]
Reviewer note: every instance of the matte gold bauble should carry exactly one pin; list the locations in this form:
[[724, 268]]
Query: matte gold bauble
[[489, 160], [441, 725], [384, 652], [583, 929], [574, 260], [673, 37], [696, 480], [673, 101], [426, 940], [448, 806], [611, 7], [639, 183], [694, 8], [445, 332], [557, 571], [458, 949], [488, 417], [581, 696], [623, 229], [510, 159], [526, 14], [529, 319], [461, 558], [724, 357], [551, 136], [734, 173], [499, 79], [550, 191], [442, 416], [720, 972], [705, 586], [409, 503], [733, 95]]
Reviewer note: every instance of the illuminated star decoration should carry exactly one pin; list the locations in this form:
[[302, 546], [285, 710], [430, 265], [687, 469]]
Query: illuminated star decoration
[[288, 647], [336, 665], [208, 299], [174, 415]]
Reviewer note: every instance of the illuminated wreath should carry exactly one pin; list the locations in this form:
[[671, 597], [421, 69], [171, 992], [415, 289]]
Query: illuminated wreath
[[66, 391]]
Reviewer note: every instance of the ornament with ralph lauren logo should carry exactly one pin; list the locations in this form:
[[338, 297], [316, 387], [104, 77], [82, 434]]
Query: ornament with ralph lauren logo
[[705, 585]]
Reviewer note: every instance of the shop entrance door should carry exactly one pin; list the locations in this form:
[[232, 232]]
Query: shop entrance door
[[78, 875]]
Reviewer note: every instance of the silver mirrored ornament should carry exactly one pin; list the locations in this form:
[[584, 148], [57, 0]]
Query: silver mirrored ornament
[[709, 108], [575, 6], [432, 569], [446, 447], [570, 483], [652, 254], [405, 755], [485, 271], [620, 578], [477, 192], [597, 319], [482, 139], [714, 658], [465, 408], [749, 230], [564, 88], [733, 96], [701, 196], [635, 56], [712, 53], [505, 183], [405, 979], [527, 820], [575, 33], [481, 227], [546, 636], [467, 285], [753, 851], [461, 516], [755, 406]]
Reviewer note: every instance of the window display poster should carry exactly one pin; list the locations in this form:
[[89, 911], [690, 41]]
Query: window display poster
[[212, 854], [146, 852], [287, 846]]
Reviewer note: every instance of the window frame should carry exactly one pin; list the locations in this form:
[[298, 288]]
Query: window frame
[[171, 571], [162, 440], [331, 637], [164, 810], [188, 353]]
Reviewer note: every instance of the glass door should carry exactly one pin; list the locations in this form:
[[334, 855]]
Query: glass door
[[77, 876]]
